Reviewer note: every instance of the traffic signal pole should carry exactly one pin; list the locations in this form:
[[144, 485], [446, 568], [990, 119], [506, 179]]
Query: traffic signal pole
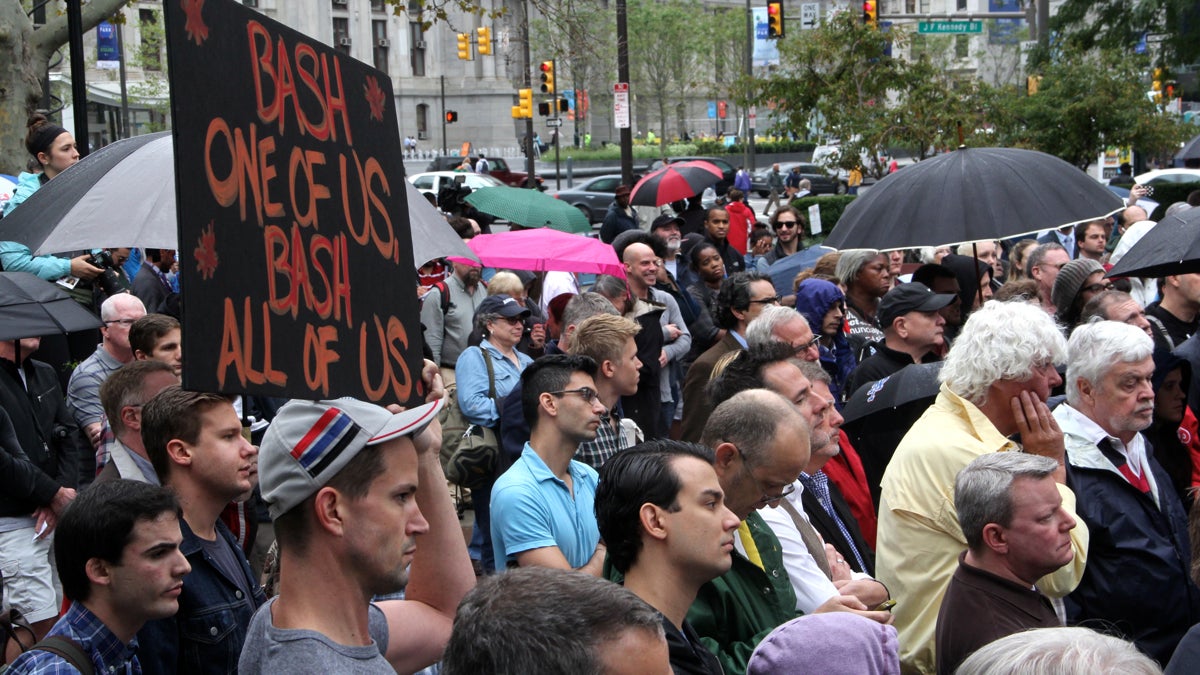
[[528, 80], [443, 78]]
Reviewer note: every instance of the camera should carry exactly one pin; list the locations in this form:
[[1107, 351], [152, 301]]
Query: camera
[[451, 198], [108, 281]]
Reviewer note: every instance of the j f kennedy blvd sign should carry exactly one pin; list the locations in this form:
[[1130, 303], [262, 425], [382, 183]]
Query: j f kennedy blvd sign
[[954, 27]]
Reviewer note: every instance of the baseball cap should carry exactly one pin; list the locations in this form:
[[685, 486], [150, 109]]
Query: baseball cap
[[503, 304], [665, 220], [910, 297], [309, 442]]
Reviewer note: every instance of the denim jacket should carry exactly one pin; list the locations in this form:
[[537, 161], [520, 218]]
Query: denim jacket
[[207, 633]]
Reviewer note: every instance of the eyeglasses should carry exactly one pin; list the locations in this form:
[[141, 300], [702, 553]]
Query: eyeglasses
[[1096, 288], [767, 500], [811, 344], [785, 224], [773, 300], [124, 322], [586, 393], [512, 320]]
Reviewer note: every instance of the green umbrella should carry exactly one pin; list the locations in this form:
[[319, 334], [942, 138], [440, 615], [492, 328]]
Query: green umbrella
[[530, 208]]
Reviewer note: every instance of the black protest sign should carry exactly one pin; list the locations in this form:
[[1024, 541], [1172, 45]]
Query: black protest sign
[[295, 249]]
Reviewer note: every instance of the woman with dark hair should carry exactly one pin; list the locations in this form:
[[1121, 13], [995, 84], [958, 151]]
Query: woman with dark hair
[[706, 264], [1174, 425]]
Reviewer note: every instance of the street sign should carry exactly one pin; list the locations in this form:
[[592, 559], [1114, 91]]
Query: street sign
[[621, 105], [554, 121], [809, 11], [950, 27]]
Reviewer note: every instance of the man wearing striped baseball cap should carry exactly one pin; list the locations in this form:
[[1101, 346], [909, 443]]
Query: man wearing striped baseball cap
[[352, 487]]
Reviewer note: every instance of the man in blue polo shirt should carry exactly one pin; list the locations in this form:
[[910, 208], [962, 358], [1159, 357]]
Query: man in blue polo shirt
[[542, 507]]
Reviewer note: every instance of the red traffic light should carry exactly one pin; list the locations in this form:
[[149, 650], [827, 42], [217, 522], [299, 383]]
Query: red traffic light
[[451, 116]]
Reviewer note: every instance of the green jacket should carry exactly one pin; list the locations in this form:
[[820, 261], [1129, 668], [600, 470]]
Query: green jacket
[[735, 611]]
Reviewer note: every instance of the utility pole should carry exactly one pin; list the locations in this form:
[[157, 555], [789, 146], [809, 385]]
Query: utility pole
[[623, 76], [748, 159], [527, 79], [443, 79], [78, 75]]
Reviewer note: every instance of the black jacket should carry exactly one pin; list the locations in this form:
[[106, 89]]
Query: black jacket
[[827, 527], [44, 429]]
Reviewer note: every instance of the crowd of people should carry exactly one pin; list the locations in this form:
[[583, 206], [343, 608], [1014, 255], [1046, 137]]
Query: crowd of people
[[674, 487]]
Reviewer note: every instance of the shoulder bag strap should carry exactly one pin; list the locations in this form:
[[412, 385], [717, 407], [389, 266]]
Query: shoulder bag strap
[[69, 650]]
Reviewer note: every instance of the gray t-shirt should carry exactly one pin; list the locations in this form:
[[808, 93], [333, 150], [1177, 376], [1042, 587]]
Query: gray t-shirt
[[270, 650]]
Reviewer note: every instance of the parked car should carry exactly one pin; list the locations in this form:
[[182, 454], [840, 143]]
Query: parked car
[[823, 183], [593, 196], [1168, 176], [432, 182], [727, 170], [501, 170]]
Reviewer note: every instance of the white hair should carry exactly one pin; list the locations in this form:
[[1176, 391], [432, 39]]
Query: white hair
[[112, 305], [1001, 341], [1058, 651], [761, 330], [1099, 345]]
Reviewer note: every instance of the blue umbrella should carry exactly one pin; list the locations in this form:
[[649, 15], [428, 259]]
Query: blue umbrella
[[784, 270]]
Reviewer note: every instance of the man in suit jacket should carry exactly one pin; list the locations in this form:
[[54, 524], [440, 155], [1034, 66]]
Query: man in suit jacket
[[741, 298], [1065, 236]]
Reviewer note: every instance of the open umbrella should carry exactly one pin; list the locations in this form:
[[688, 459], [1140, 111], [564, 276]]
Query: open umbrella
[[1170, 247], [971, 194], [1190, 150], [783, 271], [674, 182], [542, 250], [30, 306], [124, 195], [530, 208]]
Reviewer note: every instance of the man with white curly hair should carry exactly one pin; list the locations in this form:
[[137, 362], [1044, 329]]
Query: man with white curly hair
[[1125, 496], [994, 386]]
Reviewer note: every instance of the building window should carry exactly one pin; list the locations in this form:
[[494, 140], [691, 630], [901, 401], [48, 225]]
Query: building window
[[961, 5], [341, 35], [250, 3], [377, 5], [962, 46], [152, 39], [380, 39], [417, 53], [422, 121], [339, 4]]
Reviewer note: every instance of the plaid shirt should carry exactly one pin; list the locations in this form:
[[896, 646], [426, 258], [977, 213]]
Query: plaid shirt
[[609, 441], [109, 655]]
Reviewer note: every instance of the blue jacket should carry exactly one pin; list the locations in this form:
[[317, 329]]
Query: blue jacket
[[814, 298], [1136, 582], [16, 257], [207, 633]]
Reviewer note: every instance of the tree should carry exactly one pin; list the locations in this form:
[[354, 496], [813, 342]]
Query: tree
[[665, 54], [841, 74], [1122, 24], [27, 50], [1085, 102]]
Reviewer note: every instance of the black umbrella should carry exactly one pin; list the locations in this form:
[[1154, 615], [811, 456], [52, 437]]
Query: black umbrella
[[911, 383], [971, 194], [1170, 247], [30, 307], [1190, 150]]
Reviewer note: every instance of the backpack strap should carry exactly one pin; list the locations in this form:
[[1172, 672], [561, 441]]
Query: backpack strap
[[444, 293], [1161, 330], [69, 650], [487, 358]]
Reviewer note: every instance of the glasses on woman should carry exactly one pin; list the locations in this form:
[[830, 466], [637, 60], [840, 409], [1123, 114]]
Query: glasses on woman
[[512, 320], [1097, 288]]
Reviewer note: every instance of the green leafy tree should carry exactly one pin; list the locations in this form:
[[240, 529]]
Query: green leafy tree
[[1085, 102], [1120, 24], [666, 55]]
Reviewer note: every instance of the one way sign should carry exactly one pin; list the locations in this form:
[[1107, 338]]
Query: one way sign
[[808, 15]]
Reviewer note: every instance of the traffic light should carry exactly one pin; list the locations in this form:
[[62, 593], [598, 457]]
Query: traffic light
[[775, 20], [484, 35], [1031, 84], [524, 107], [1157, 85], [451, 116], [563, 105], [544, 108], [547, 77], [464, 46], [871, 13]]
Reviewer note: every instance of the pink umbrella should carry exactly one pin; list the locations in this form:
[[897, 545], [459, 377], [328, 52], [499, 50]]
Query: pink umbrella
[[544, 249]]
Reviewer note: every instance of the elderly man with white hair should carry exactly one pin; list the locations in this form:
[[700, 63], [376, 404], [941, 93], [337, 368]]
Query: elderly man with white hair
[[1137, 581], [994, 385]]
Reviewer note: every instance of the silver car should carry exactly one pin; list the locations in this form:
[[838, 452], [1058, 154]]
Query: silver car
[[593, 196]]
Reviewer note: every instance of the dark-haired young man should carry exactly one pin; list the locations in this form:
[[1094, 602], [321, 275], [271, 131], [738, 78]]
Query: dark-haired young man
[[194, 440], [662, 514], [542, 507], [118, 558]]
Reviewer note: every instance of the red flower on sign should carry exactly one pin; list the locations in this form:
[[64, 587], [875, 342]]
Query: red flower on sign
[[206, 252], [375, 98], [195, 26]]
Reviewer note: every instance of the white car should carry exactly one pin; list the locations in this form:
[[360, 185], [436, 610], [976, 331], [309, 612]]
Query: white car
[[432, 182], [1164, 176]]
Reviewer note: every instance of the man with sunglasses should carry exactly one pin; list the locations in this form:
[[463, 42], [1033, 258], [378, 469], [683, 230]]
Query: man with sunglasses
[[788, 225], [542, 507]]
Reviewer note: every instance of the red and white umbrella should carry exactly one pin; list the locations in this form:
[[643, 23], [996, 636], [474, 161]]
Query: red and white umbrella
[[675, 182]]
